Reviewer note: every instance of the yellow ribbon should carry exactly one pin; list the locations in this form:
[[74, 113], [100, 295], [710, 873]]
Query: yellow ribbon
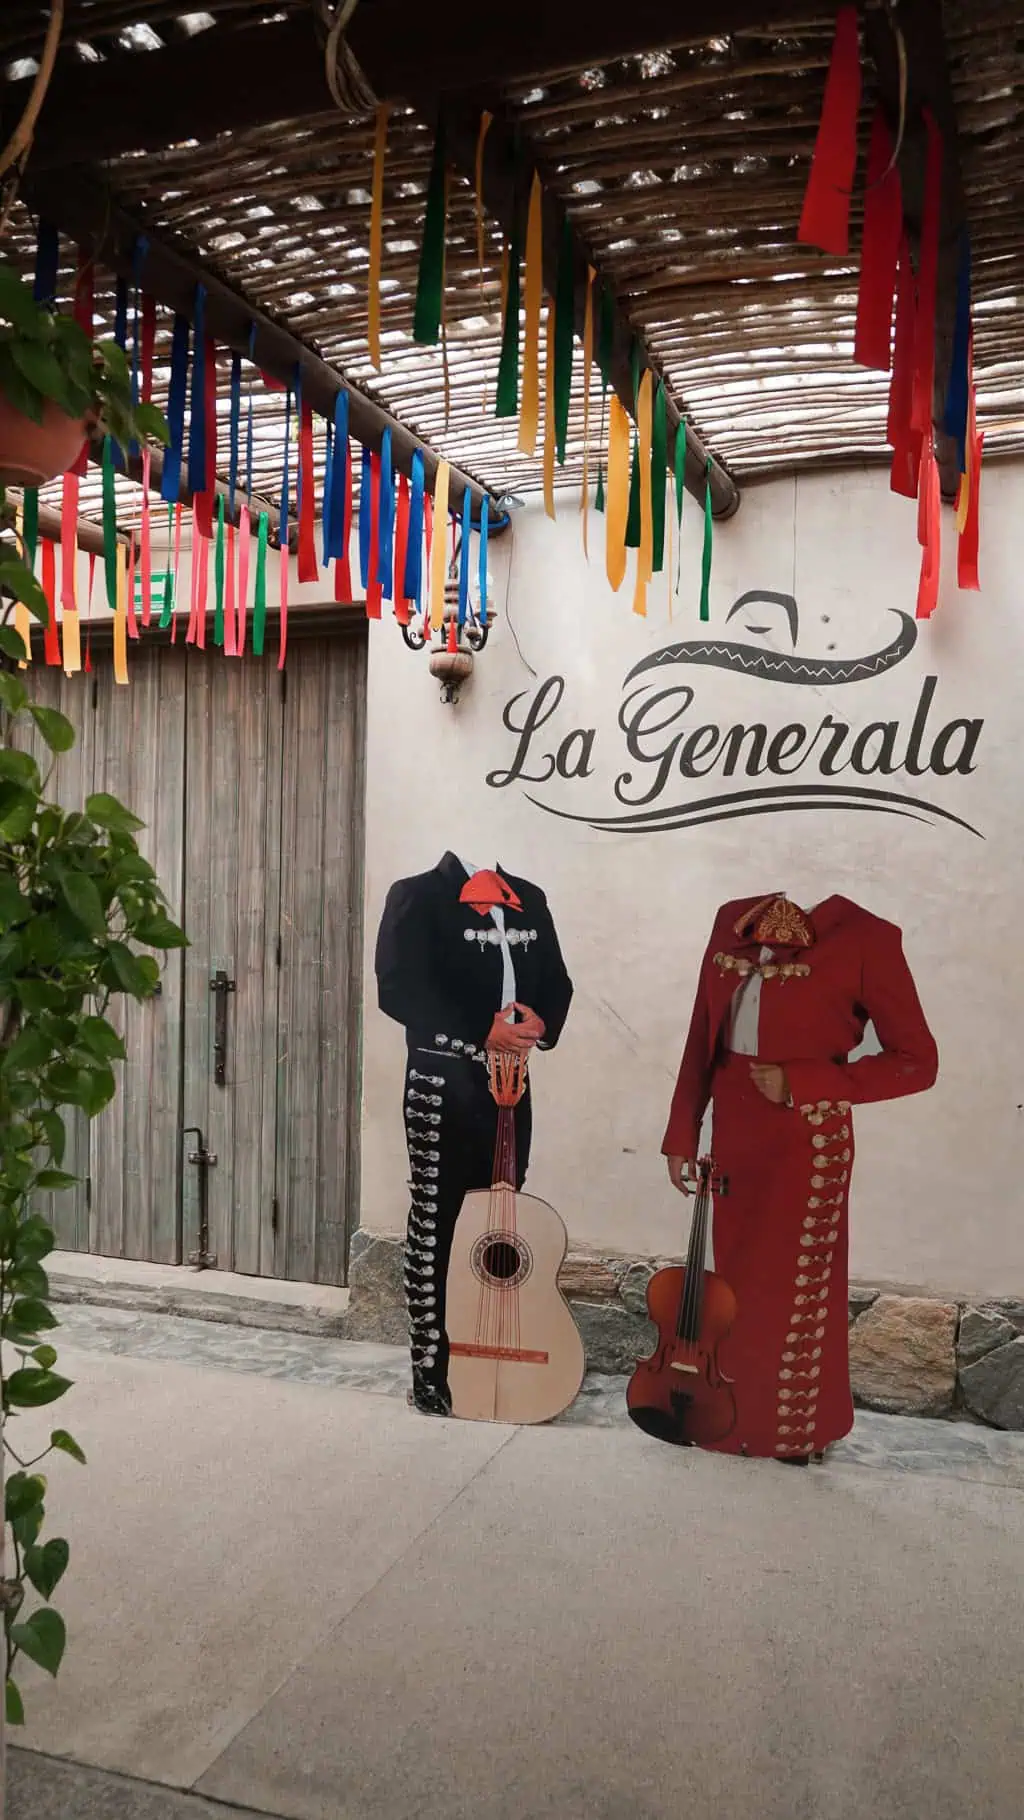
[[22, 620], [549, 416], [963, 498], [439, 547], [529, 410], [588, 361], [121, 618], [617, 495], [645, 554], [377, 231]]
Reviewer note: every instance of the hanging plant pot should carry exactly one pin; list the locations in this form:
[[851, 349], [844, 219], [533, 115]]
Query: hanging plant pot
[[33, 453]]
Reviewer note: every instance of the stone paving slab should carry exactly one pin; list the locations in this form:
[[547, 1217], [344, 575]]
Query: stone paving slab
[[962, 1450], [40, 1788]]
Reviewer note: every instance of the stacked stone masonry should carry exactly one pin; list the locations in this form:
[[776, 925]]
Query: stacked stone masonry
[[912, 1355]]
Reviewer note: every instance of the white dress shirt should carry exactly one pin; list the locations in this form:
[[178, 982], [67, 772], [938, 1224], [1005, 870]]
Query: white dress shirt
[[508, 972]]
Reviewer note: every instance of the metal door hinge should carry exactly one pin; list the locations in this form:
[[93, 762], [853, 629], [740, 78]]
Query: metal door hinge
[[221, 985], [275, 1214], [202, 1258], [278, 951], [88, 1194]]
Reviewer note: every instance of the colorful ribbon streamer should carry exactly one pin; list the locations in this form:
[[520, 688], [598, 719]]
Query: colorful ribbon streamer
[[51, 634], [956, 412], [170, 573], [413, 582], [931, 539], [825, 218], [197, 439], [109, 524], [484, 529], [365, 512], [234, 426], [618, 492], [380, 143], [229, 592], [244, 557], [218, 573], [343, 570], [588, 361], [308, 570], [374, 588], [259, 618], [709, 538], [659, 470], [70, 637], [879, 253], [680, 479], [83, 314], [120, 613], [633, 517], [905, 444], [386, 557], [467, 532], [506, 402], [430, 283], [146, 557], [401, 551], [927, 284], [549, 416], [170, 484], [439, 553], [529, 412], [645, 554], [284, 541], [334, 484], [565, 310]]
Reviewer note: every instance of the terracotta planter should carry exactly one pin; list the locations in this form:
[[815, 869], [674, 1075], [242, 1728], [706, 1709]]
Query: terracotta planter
[[33, 453]]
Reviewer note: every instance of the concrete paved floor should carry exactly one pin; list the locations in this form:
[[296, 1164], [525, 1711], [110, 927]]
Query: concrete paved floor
[[306, 1601]]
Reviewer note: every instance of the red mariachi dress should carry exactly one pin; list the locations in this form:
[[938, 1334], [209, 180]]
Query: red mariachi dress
[[780, 1233]]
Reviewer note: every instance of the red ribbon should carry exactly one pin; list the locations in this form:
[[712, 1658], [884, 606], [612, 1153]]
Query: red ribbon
[[401, 546], [51, 637], [308, 570], [927, 285], [879, 254], [931, 560], [244, 543], [68, 537], [202, 504], [133, 624], [905, 444], [230, 636], [967, 546], [83, 314], [148, 346], [825, 219], [375, 586], [146, 556]]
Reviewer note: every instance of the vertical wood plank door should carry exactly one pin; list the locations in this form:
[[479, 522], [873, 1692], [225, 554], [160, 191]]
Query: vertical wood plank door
[[322, 845], [232, 905], [139, 757]]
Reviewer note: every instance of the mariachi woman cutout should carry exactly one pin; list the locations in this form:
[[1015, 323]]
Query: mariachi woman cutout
[[783, 999], [460, 953]]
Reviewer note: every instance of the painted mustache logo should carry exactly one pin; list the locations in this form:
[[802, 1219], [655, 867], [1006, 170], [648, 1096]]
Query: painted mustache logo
[[780, 666]]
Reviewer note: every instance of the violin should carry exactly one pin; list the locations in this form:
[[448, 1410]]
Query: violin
[[680, 1394]]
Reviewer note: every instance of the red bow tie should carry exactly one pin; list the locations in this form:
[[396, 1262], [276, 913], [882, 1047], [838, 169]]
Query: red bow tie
[[487, 891]]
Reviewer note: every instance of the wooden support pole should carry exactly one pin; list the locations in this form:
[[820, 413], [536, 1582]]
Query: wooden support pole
[[81, 206]]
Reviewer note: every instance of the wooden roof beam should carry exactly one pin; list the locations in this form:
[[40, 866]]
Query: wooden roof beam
[[928, 86], [79, 203]]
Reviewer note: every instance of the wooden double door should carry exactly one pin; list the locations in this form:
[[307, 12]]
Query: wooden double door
[[250, 783]]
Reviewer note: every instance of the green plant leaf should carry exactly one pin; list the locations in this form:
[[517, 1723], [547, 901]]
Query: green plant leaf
[[159, 932], [65, 1443], [17, 304], [17, 811], [40, 366], [18, 391], [42, 1638], [14, 1705], [54, 1181], [101, 1039], [83, 899], [131, 867], [127, 969], [47, 1566], [55, 727], [23, 1492], [19, 768], [31, 1388], [45, 1357], [13, 694], [11, 643], [56, 1136], [30, 1050], [108, 813], [32, 1317], [39, 995], [36, 1240], [18, 577], [14, 906], [115, 360], [152, 422], [29, 1280]]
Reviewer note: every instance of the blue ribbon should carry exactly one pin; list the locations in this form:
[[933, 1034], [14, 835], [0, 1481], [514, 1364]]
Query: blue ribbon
[[484, 515], [413, 582], [197, 422], [236, 418], [170, 485], [334, 493], [467, 532], [285, 507], [957, 392], [325, 524], [385, 542], [44, 288], [365, 508]]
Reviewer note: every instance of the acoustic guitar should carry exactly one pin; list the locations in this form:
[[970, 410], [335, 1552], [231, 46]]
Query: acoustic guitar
[[515, 1351]]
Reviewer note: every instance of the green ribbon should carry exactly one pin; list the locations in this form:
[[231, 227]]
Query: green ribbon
[[507, 403], [109, 524], [259, 618], [659, 470], [30, 524], [427, 320], [633, 515], [218, 571], [705, 567], [599, 495], [168, 606], [565, 306], [680, 489], [634, 367], [606, 334]]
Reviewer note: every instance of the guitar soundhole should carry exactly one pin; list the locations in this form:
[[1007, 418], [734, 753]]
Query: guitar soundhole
[[504, 1260]]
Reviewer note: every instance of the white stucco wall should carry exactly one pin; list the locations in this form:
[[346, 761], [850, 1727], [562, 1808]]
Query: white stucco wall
[[936, 1199]]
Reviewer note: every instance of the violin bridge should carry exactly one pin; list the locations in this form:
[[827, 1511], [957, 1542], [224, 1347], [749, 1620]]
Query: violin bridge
[[691, 1371]]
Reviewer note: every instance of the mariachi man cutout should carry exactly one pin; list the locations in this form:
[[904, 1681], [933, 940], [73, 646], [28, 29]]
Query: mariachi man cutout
[[467, 961], [783, 999]]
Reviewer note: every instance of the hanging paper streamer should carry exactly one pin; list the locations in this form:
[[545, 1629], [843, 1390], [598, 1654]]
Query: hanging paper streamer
[[284, 537], [507, 400], [133, 624], [709, 536], [659, 468], [618, 492], [218, 574], [259, 620], [529, 413], [588, 361], [121, 616], [249, 420], [905, 445], [244, 552], [325, 512], [680, 477], [22, 619], [565, 308], [44, 288], [229, 592], [170, 484], [374, 591], [967, 546], [70, 637], [927, 285], [401, 551], [197, 477], [386, 555], [202, 502], [170, 573], [83, 314], [931, 496], [109, 524], [146, 551], [148, 347], [955, 414], [308, 570], [343, 570], [201, 558], [484, 527], [549, 416], [645, 554], [365, 515], [633, 518], [234, 427], [467, 529], [438, 554], [380, 143], [334, 483], [430, 284], [825, 219], [879, 253], [413, 583], [51, 635]]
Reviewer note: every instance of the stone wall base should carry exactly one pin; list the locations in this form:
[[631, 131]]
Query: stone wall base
[[910, 1354]]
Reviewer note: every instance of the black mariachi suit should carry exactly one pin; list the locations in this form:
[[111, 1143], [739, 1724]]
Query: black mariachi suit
[[440, 974]]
